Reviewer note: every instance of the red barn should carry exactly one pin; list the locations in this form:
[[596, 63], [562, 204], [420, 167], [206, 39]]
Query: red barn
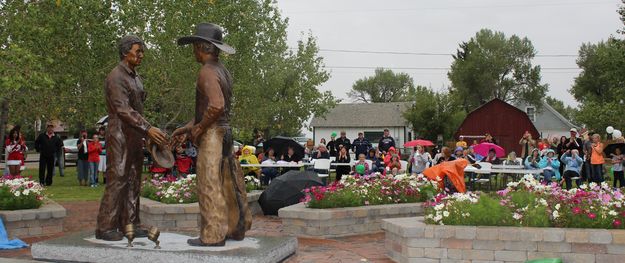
[[503, 121]]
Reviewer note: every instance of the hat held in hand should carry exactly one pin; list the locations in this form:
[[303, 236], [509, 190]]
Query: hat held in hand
[[162, 155]]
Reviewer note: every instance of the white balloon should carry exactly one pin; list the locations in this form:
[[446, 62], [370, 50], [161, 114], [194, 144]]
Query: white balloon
[[617, 134], [609, 129]]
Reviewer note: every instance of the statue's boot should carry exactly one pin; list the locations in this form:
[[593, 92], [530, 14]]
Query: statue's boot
[[196, 242], [111, 235]]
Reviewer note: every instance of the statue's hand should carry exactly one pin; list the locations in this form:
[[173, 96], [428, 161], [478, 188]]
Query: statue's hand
[[196, 134], [157, 136], [180, 131]]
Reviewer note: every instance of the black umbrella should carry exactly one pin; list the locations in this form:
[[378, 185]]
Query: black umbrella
[[612, 147], [286, 190], [281, 144], [103, 121]]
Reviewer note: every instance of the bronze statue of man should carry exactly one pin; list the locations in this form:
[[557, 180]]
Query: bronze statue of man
[[221, 190], [124, 143]]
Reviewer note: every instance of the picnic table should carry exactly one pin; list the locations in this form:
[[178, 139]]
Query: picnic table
[[496, 170], [277, 165]]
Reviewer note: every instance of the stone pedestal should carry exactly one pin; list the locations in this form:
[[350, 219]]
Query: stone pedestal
[[83, 247]]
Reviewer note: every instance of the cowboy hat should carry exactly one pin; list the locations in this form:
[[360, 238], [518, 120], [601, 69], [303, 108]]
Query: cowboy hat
[[210, 33], [161, 155]]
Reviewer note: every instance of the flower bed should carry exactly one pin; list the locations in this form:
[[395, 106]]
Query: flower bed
[[374, 190], [25, 211], [170, 190], [182, 216], [529, 203], [20, 193], [356, 205]]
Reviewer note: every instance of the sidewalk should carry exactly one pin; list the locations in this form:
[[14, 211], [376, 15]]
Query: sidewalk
[[81, 216]]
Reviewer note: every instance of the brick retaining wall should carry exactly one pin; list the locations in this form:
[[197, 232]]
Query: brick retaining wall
[[411, 240], [182, 216], [45, 220], [298, 220]]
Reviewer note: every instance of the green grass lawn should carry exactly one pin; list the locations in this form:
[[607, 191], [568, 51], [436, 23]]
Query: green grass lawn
[[67, 188]]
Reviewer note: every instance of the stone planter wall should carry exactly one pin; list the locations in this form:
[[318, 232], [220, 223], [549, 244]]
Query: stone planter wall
[[298, 220], [182, 216], [411, 240], [45, 220]]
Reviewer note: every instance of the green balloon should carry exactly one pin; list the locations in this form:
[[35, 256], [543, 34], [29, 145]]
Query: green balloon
[[360, 169]]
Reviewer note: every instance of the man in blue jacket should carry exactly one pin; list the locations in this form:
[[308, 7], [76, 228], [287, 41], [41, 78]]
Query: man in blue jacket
[[361, 145]]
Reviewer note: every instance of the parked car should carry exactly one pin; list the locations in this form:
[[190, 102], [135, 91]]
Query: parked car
[[71, 150], [301, 140]]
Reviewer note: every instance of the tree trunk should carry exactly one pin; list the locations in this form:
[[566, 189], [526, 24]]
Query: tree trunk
[[4, 118]]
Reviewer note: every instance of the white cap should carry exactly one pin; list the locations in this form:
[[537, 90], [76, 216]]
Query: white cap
[[574, 130]]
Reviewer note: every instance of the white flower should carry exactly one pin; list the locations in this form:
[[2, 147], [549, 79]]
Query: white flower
[[439, 207], [557, 206], [543, 202], [513, 184], [517, 216], [584, 186], [592, 185], [555, 214], [17, 193], [612, 213], [445, 214]]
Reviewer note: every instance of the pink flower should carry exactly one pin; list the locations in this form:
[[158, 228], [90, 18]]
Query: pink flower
[[577, 210], [592, 216], [617, 223]]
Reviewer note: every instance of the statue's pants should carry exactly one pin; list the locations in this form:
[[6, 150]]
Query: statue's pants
[[221, 189], [124, 163]]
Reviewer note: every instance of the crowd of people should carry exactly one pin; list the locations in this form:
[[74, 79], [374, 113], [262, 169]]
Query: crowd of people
[[578, 158]]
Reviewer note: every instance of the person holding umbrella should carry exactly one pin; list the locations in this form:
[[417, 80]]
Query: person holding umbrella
[[420, 160]]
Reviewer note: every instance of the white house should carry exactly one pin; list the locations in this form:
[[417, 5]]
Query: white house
[[548, 121], [370, 118]]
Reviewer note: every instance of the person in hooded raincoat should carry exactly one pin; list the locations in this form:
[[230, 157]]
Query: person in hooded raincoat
[[387, 158], [448, 174], [248, 157]]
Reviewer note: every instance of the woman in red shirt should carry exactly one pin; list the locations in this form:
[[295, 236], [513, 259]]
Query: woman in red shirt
[[15, 146], [94, 148]]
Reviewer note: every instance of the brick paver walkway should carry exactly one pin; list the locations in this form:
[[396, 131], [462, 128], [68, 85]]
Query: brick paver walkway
[[364, 248]]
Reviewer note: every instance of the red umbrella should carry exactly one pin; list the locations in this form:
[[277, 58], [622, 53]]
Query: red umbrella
[[483, 148], [415, 143]]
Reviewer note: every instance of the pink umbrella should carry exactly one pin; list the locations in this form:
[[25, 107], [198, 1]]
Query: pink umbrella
[[483, 148], [415, 143]]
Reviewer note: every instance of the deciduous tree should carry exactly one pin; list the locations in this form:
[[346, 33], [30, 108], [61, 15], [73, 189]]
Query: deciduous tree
[[491, 65], [384, 86]]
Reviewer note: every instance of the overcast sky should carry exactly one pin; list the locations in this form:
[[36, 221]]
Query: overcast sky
[[555, 27]]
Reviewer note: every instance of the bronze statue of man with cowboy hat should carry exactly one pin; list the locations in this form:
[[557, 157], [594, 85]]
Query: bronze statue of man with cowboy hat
[[221, 190]]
